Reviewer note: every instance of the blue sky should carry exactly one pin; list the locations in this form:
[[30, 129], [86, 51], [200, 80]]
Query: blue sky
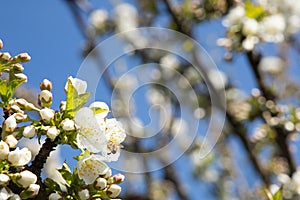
[[47, 31]]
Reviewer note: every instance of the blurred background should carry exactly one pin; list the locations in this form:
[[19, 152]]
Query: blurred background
[[246, 75]]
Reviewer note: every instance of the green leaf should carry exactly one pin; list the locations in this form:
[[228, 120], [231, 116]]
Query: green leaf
[[85, 153], [66, 173], [51, 185], [74, 101], [278, 195], [2, 88]]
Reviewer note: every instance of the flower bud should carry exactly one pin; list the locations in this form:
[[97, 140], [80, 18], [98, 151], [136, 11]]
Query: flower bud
[[4, 179], [19, 157], [4, 57], [46, 85], [68, 125], [30, 192], [10, 124], [45, 98], [18, 68], [52, 132], [108, 174], [4, 150], [54, 196], [29, 131], [20, 117], [1, 44], [114, 190], [22, 77], [118, 178], [11, 141], [100, 183], [22, 57], [27, 178], [63, 105], [84, 194], [21, 103], [47, 114], [16, 109]]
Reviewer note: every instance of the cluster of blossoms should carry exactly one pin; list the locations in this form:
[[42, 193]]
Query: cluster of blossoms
[[290, 185], [263, 21], [85, 128]]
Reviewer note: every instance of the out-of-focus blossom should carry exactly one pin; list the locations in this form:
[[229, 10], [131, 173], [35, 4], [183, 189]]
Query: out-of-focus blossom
[[98, 18]]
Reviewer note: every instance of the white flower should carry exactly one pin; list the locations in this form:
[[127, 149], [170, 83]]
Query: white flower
[[100, 109], [11, 141], [29, 131], [272, 28], [45, 96], [84, 194], [52, 132], [33, 189], [234, 16], [10, 124], [100, 183], [4, 150], [4, 179], [114, 190], [98, 18], [47, 114], [78, 84], [90, 136], [54, 196], [4, 193], [250, 26], [19, 157], [27, 178], [68, 125], [115, 135], [89, 168]]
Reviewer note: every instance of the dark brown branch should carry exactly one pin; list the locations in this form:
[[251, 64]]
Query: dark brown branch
[[38, 164]]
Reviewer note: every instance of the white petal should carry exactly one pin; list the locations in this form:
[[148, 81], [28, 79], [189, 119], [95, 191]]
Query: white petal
[[90, 167]]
